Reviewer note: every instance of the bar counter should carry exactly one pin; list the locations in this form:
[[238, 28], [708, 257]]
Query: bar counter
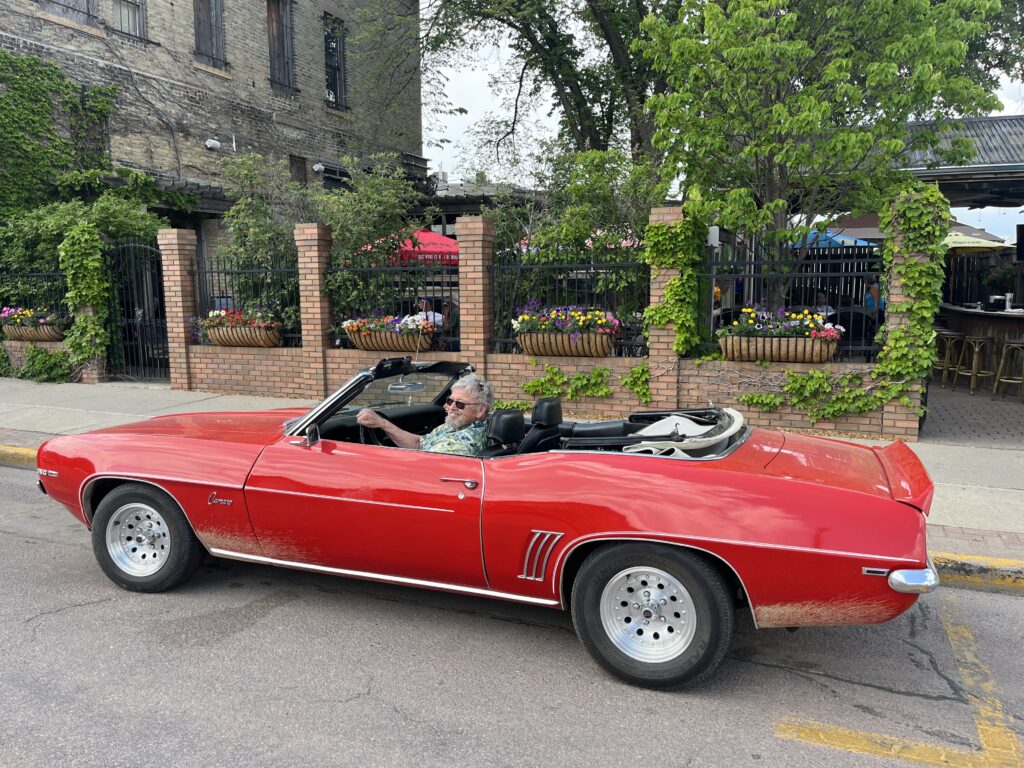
[[977, 322]]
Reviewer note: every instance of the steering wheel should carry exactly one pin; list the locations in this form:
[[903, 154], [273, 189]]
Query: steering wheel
[[369, 436]]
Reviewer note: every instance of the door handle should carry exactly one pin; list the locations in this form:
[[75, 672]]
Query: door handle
[[471, 484]]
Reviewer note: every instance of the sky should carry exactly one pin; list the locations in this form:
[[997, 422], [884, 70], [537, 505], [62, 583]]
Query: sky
[[469, 87]]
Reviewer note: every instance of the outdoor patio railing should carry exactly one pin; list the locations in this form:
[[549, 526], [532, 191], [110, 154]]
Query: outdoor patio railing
[[396, 290], [276, 290], [34, 290], [622, 288], [748, 277]]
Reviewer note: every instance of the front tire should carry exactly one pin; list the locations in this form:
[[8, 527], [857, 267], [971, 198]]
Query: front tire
[[142, 540], [653, 615]]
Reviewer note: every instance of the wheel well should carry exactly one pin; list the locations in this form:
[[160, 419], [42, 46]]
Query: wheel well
[[576, 558], [99, 489]]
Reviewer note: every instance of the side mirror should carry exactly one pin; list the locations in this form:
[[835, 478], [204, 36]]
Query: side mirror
[[312, 434]]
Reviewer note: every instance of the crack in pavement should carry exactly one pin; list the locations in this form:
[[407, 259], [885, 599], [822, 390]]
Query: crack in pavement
[[63, 608]]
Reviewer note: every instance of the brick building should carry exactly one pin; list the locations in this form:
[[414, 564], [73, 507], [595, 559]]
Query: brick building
[[199, 79]]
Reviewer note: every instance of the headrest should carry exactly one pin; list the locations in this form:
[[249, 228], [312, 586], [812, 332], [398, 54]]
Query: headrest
[[547, 412], [507, 426]]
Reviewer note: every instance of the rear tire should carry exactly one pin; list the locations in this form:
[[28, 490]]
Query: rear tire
[[653, 615], [143, 541]]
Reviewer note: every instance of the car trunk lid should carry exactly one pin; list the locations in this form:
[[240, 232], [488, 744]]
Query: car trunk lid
[[833, 463]]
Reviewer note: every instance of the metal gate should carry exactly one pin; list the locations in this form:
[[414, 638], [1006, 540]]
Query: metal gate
[[138, 325]]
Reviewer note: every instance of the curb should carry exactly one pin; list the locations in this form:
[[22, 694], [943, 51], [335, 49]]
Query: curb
[[17, 456], [989, 574]]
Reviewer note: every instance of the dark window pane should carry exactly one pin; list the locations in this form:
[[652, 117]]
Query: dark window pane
[[82, 11], [334, 61], [209, 18], [279, 30]]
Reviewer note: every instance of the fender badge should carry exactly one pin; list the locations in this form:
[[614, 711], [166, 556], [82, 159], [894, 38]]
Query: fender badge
[[212, 499], [47, 473]]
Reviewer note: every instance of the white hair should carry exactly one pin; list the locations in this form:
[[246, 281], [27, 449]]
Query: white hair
[[480, 390]]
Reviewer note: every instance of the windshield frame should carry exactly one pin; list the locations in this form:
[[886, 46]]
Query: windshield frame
[[386, 368]]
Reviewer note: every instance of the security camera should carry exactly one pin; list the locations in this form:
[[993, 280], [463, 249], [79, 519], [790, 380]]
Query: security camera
[[318, 167], [212, 144]]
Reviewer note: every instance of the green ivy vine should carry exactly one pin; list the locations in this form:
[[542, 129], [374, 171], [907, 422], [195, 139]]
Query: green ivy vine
[[81, 258], [556, 383], [677, 246], [638, 381], [915, 226]]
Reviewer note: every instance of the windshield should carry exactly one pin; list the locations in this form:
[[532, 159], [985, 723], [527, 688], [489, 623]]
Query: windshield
[[419, 388]]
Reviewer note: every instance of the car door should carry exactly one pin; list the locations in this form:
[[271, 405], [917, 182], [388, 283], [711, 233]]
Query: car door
[[371, 509]]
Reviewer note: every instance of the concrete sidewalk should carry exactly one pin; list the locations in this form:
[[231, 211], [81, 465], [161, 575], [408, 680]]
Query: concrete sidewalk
[[975, 529]]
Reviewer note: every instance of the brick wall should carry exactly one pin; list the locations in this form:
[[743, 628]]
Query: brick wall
[[169, 103], [316, 369]]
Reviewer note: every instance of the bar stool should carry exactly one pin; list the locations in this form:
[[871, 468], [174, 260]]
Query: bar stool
[[979, 347], [946, 350], [1013, 353]]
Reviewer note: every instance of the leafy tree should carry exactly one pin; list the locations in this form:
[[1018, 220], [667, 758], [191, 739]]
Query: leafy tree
[[782, 112]]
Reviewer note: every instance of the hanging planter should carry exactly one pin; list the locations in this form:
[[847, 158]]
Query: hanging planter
[[244, 336], [33, 332], [776, 349], [389, 341], [550, 343]]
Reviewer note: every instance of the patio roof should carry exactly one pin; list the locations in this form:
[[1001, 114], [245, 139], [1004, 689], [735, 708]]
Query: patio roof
[[994, 176]]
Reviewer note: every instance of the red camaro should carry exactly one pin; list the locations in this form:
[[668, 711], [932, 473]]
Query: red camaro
[[651, 530]]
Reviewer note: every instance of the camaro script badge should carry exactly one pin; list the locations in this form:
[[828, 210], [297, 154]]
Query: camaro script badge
[[212, 499]]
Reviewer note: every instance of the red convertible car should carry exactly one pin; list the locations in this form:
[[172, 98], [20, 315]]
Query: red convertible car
[[651, 530]]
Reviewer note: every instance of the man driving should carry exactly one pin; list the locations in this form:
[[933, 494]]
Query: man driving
[[464, 431]]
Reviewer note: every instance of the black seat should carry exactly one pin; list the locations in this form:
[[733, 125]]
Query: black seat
[[505, 432], [544, 432]]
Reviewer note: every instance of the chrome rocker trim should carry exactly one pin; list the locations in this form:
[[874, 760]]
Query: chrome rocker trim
[[384, 577], [915, 581]]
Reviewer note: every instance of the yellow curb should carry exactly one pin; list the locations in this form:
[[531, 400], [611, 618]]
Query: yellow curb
[[994, 574], [13, 454]]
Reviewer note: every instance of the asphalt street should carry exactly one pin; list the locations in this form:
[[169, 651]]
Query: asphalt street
[[253, 666]]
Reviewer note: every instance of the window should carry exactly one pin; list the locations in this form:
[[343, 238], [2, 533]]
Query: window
[[297, 168], [209, 16], [129, 17], [279, 29], [334, 62], [82, 11]]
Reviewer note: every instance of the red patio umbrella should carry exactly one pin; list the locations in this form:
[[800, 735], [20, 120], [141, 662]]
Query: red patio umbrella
[[428, 246]]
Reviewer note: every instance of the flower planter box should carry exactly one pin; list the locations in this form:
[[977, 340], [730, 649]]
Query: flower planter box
[[244, 336], [777, 349], [33, 332], [546, 343], [386, 341]]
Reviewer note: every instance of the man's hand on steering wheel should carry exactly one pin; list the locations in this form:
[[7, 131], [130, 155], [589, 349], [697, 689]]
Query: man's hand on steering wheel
[[369, 422]]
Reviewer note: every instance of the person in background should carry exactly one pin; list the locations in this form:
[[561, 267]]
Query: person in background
[[821, 306], [426, 312], [464, 431], [874, 306]]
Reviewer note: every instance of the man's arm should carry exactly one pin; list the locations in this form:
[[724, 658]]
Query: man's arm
[[401, 438]]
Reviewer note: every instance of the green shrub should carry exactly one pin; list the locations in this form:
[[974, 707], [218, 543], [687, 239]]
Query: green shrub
[[43, 365]]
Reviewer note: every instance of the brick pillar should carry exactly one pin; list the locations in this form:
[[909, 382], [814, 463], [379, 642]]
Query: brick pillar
[[661, 356], [476, 289], [314, 244], [178, 256], [898, 420]]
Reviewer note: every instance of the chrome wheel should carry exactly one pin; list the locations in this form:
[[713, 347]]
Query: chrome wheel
[[138, 540], [648, 614]]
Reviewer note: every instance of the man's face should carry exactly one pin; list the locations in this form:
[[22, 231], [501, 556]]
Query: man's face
[[473, 411]]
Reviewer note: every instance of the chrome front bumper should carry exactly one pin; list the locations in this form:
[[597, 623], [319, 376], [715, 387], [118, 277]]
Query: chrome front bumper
[[915, 581]]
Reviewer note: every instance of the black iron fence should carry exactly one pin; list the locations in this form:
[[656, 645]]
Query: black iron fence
[[34, 290], [836, 279], [137, 319], [428, 291], [622, 288], [275, 291]]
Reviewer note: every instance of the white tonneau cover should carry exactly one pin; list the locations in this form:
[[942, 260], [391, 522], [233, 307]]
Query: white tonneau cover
[[677, 434]]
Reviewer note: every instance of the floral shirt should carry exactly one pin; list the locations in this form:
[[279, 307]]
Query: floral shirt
[[467, 441]]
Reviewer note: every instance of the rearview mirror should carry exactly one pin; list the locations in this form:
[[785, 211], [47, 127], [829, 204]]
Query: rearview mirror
[[403, 387]]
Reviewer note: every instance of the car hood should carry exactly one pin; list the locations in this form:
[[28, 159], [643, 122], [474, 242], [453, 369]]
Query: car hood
[[248, 428]]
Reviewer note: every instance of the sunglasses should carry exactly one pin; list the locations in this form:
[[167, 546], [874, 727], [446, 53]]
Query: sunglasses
[[458, 403]]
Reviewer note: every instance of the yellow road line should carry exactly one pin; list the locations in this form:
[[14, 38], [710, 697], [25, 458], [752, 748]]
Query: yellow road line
[[977, 572], [1000, 747]]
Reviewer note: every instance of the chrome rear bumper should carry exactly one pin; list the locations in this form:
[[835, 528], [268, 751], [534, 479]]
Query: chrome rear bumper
[[915, 580]]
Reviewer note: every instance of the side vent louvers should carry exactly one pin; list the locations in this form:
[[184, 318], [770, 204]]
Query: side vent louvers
[[535, 563]]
